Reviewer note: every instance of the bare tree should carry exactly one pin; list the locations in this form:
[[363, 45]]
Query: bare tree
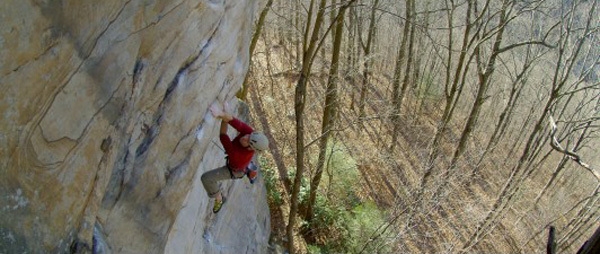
[[329, 117], [484, 73], [243, 93], [453, 86], [353, 55], [399, 93], [310, 49], [367, 47]]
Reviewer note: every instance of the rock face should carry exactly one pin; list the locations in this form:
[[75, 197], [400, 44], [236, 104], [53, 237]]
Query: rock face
[[105, 127]]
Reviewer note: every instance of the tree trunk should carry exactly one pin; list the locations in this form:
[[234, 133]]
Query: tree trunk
[[452, 92], [309, 49], [329, 118], [410, 17], [506, 115], [354, 56], [484, 74], [367, 61], [243, 92]]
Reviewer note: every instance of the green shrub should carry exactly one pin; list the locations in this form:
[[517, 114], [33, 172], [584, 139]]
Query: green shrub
[[313, 249], [341, 176], [339, 214], [364, 226], [270, 178]]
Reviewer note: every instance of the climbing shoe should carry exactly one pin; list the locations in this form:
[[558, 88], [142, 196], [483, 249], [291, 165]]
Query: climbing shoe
[[218, 205]]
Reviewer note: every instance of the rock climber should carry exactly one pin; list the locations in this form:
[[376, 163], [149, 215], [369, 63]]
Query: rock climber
[[239, 152]]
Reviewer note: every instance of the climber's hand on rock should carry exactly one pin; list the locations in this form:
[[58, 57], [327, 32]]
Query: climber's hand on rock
[[216, 110], [227, 108]]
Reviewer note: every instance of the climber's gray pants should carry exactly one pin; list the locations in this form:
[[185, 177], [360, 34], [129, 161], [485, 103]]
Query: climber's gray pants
[[211, 179]]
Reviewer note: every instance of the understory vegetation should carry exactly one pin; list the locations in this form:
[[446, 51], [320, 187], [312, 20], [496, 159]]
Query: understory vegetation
[[343, 223]]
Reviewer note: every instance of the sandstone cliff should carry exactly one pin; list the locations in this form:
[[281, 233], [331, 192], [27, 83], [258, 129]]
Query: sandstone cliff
[[105, 127]]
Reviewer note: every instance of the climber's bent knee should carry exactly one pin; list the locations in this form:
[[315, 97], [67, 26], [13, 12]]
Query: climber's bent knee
[[211, 179]]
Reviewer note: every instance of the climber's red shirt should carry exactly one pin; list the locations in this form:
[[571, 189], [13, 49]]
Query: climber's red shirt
[[239, 156]]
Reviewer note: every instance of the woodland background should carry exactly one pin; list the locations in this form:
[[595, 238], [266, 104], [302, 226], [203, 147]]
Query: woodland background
[[428, 126]]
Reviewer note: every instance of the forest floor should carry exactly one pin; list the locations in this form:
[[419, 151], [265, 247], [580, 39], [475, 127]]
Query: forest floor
[[391, 178]]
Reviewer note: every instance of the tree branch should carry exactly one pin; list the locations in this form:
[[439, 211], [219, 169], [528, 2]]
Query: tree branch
[[572, 155], [543, 43]]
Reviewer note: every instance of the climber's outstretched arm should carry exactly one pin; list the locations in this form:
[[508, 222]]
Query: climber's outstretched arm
[[221, 112], [224, 124]]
